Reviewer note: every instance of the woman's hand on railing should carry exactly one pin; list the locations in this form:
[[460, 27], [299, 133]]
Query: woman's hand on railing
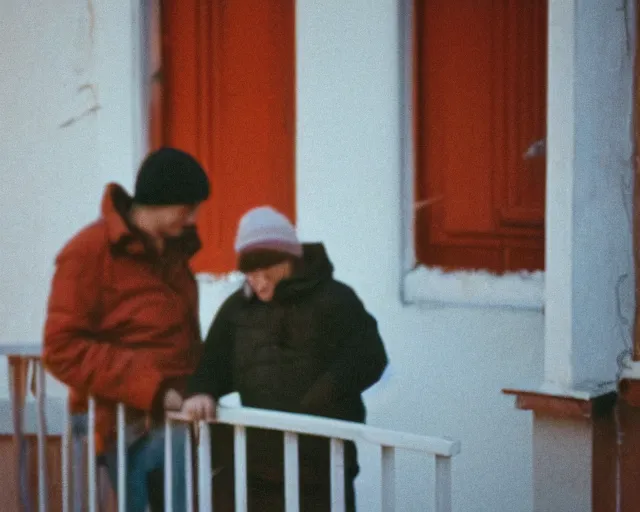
[[200, 407]]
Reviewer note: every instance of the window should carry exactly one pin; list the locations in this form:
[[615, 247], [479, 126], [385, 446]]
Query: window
[[225, 92], [480, 103]]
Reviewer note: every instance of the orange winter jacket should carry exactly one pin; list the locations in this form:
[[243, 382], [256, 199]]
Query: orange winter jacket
[[122, 321]]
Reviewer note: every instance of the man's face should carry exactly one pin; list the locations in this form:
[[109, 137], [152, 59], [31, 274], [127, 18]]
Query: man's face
[[263, 282], [172, 220]]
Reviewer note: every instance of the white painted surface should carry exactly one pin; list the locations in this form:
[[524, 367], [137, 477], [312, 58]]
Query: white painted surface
[[188, 462], [291, 472], [589, 292], [559, 200], [249, 417], [449, 363], [563, 453], [337, 475], [602, 188], [240, 468], [205, 489], [53, 176], [631, 370], [388, 479]]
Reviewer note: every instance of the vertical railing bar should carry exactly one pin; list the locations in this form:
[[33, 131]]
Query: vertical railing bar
[[240, 467], [188, 457], [205, 484], [168, 465], [91, 456], [104, 486], [17, 380], [443, 484], [122, 459], [291, 473], [388, 478], [42, 435], [66, 462], [78, 470], [337, 475]]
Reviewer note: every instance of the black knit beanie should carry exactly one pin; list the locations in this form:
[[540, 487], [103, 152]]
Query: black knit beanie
[[169, 176]]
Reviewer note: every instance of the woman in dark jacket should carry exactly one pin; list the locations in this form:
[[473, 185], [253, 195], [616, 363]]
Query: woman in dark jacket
[[292, 339]]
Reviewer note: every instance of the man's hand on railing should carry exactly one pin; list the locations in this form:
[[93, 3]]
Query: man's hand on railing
[[200, 407], [172, 400]]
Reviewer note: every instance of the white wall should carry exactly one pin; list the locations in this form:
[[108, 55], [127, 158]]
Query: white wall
[[448, 364], [54, 175], [561, 448], [589, 185], [603, 185]]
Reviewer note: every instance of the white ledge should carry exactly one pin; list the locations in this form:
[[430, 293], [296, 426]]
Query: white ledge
[[585, 391], [54, 413], [29, 349], [431, 286], [631, 370]]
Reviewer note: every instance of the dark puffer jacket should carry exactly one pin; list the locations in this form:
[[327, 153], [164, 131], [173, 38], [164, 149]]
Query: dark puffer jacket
[[313, 349]]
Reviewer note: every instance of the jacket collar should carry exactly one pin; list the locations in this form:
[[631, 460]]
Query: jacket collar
[[116, 204]]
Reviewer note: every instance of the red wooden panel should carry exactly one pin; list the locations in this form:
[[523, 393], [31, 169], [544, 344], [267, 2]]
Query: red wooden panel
[[480, 103], [521, 258], [156, 124], [520, 78], [455, 101], [229, 98], [183, 55], [9, 493]]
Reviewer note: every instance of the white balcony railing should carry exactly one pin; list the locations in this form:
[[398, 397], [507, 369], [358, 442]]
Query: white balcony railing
[[241, 418], [292, 425]]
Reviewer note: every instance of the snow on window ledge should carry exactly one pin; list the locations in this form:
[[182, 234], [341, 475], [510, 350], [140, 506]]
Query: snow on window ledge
[[431, 286]]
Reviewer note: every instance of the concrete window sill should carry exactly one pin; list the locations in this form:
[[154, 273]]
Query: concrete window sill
[[432, 287]]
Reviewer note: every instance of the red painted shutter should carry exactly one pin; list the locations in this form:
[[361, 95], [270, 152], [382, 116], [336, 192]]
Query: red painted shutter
[[480, 103], [228, 97]]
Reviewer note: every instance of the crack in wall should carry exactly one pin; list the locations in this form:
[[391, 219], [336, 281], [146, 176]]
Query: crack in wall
[[85, 43], [93, 108]]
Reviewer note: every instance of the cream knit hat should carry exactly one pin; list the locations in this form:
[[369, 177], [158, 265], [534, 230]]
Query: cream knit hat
[[266, 229]]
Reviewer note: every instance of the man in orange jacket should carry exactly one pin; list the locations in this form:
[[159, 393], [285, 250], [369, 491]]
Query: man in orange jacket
[[122, 321]]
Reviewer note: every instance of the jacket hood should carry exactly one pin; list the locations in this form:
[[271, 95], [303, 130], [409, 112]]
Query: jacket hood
[[314, 268]]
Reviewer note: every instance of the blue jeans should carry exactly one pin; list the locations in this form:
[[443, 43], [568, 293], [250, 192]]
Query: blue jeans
[[145, 459]]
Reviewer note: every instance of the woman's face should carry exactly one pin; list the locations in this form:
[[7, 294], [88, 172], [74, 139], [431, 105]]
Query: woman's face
[[263, 282]]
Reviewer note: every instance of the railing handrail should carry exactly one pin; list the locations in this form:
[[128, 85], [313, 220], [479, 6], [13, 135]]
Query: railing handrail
[[331, 428], [299, 423]]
